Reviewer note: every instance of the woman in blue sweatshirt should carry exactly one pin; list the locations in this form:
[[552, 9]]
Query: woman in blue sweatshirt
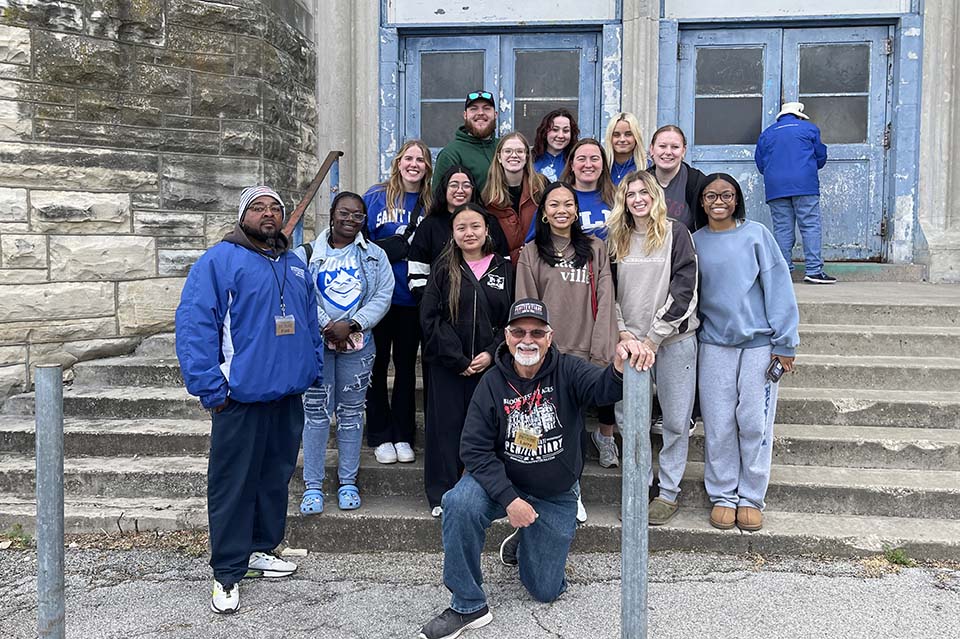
[[749, 320]]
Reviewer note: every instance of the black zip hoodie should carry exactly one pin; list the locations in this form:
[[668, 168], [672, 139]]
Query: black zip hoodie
[[552, 405], [479, 326]]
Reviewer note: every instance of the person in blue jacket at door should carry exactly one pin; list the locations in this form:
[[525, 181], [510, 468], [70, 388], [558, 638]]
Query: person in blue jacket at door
[[556, 135], [789, 154], [249, 345]]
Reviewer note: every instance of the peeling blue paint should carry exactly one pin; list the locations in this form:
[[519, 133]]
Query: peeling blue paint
[[611, 73], [389, 98]]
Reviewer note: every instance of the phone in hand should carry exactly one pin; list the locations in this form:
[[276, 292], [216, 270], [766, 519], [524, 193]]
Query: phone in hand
[[775, 370]]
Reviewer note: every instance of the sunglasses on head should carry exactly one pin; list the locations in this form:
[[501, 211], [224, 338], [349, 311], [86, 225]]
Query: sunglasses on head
[[478, 95]]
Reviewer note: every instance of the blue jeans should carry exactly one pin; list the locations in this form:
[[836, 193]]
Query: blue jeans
[[802, 211], [346, 377], [467, 514]]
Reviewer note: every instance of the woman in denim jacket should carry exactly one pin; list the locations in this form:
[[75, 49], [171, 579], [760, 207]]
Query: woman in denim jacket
[[354, 285]]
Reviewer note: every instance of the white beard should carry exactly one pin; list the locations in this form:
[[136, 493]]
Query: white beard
[[527, 358]]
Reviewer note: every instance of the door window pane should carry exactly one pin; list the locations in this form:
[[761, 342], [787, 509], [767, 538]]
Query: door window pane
[[835, 68], [842, 119], [544, 81], [528, 113], [727, 120], [450, 74], [445, 79], [729, 71]]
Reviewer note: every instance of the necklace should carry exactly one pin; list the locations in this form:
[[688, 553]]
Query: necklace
[[560, 249]]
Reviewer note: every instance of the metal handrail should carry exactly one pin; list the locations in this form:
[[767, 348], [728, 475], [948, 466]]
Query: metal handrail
[[332, 159]]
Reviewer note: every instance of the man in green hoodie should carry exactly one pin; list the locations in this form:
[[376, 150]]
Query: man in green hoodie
[[475, 142]]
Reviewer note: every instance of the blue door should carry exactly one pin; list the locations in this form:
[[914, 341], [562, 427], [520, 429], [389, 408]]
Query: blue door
[[732, 83], [530, 75]]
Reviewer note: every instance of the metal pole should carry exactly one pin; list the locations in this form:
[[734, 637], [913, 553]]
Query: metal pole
[[636, 472], [49, 444]]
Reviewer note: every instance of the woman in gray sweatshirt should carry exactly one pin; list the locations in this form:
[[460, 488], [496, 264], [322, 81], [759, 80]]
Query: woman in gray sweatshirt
[[749, 321]]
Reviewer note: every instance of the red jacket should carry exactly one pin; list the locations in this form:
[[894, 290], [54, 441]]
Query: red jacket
[[515, 225]]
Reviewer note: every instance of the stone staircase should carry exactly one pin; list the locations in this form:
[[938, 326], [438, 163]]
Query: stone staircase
[[866, 453]]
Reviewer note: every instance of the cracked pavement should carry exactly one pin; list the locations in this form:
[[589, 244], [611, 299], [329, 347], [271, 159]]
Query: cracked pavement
[[164, 594]]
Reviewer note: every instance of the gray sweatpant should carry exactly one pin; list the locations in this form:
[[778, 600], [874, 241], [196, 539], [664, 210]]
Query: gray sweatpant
[[675, 374], [739, 405]]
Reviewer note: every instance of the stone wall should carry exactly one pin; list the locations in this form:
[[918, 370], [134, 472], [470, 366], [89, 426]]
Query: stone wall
[[127, 129]]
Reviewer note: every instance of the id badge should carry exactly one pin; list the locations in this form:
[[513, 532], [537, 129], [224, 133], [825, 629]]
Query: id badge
[[285, 324], [527, 439]]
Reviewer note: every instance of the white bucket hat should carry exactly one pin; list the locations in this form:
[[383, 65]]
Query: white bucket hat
[[793, 108]]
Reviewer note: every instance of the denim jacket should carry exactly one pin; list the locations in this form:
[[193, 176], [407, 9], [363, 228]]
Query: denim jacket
[[377, 280]]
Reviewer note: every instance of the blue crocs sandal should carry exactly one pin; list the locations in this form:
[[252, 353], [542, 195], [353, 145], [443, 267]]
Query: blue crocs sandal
[[349, 497], [312, 502]]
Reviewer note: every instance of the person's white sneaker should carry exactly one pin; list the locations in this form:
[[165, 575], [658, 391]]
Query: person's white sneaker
[[268, 565], [581, 511], [385, 453], [437, 512], [225, 601], [404, 452]]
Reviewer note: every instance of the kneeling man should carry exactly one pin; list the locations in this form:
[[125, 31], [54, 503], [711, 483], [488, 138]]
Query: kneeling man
[[521, 451]]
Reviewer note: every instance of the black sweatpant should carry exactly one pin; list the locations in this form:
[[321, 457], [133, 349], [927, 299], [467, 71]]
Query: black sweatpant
[[446, 409], [394, 420], [253, 453]]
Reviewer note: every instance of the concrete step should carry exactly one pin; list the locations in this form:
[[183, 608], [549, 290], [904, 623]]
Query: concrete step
[[132, 370], [118, 402], [162, 345], [395, 524], [889, 408], [827, 372], [880, 304], [794, 444], [895, 341], [867, 272], [882, 492]]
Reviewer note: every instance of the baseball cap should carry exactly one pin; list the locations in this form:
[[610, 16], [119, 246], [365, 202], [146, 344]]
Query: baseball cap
[[479, 94], [529, 307]]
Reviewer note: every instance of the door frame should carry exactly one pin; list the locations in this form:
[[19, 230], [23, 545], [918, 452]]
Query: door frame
[[902, 241]]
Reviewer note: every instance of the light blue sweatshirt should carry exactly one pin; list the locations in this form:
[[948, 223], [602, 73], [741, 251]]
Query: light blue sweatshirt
[[746, 295]]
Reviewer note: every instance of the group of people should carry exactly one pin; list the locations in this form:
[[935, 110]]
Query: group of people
[[526, 276]]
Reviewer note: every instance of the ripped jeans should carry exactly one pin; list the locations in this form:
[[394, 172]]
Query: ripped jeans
[[346, 377]]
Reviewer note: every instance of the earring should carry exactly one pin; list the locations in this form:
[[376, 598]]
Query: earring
[[544, 219]]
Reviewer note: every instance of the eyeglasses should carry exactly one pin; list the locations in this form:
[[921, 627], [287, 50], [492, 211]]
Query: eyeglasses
[[260, 208], [356, 216], [517, 152], [459, 186], [477, 95], [535, 333], [711, 197]]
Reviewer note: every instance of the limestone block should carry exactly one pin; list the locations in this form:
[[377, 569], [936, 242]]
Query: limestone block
[[56, 301], [207, 62], [69, 353], [145, 307], [80, 212], [206, 184], [176, 262], [197, 124], [102, 257], [13, 379], [43, 330], [37, 92], [161, 80], [216, 16], [54, 111], [16, 122], [23, 276], [12, 355], [225, 96], [23, 251], [13, 205], [194, 242], [186, 39], [307, 167], [277, 108], [84, 169], [167, 223], [62, 16], [250, 58], [282, 177], [241, 138], [14, 45], [218, 226], [308, 139], [112, 135], [145, 200], [81, 61], [139, 22], [279, 145]]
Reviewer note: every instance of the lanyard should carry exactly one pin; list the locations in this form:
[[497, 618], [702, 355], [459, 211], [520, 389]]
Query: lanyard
[[280, 286]]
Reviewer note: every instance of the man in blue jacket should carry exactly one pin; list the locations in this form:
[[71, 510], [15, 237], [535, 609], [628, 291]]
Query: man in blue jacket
[[789, 154], [249, 345]]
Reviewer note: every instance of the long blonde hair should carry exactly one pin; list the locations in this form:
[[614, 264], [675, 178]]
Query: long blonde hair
[[620, 224], [495, 191], [394, 183], [639, 151]]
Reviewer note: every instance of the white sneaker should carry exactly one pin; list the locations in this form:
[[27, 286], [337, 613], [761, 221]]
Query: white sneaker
[[437, 511], [404, 452], [386, 453], [581, 511], [657, 426], [268, 565], [223, 601], [607, 447]]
